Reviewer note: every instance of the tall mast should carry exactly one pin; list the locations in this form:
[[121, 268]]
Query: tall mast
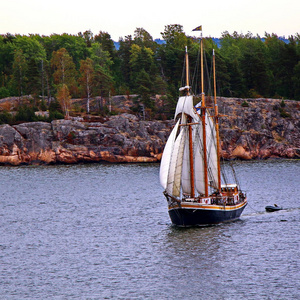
[[192, 180], [203, 113], [217, 122], [187, 70]]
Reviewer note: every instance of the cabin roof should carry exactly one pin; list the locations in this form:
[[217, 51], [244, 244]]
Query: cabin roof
[[232, 185]]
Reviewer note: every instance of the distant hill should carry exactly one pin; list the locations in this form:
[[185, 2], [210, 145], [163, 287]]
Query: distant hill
[[117, 45], [216, 40], [158, 41]]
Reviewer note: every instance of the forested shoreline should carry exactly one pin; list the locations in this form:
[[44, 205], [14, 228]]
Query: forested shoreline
[[85, 65]]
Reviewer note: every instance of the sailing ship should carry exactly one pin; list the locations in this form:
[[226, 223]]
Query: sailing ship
[[190, 170]]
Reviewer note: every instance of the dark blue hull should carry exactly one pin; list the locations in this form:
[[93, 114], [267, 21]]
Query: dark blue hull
[[203, 216]]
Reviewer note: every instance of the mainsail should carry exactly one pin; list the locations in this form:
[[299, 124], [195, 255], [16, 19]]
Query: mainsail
[[212, 157]]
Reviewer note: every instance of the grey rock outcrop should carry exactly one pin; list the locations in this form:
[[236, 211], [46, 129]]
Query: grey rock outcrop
[[120, 138], [263, 129]]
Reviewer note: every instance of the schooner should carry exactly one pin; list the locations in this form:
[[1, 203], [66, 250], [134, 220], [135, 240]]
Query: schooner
[[190, 170]]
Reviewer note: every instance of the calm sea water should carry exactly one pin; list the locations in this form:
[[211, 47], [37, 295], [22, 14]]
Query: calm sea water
[[103, 232]]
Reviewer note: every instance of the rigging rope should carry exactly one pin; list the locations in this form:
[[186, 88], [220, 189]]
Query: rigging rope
[[195, 79]]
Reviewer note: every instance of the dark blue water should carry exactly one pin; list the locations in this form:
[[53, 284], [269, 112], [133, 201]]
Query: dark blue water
[[103, 232]]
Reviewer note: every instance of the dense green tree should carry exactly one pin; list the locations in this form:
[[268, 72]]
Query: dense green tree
[[296, 81], [88, 36], [124, 54], [172, 33], [143, 39], [6, 59], [102, 77], [245, 57], [144, 87], [55, 106], [253, 66], [160, 86], [30, 46], [75, 45], [289, 59], [246, 65], [19, 67], [4, 92], [232, 55], [106, 42], [6, 117], [171, 57], [274, 48], [25, 113], [34, 53], [222, 77], [141, 58]]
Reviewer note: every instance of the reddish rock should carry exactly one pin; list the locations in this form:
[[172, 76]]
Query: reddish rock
[[240, 152], [257, 131]]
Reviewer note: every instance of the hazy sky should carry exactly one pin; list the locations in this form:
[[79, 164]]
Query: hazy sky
[[121, 17]]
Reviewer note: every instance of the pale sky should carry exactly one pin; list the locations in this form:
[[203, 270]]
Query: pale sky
[[121, 17]]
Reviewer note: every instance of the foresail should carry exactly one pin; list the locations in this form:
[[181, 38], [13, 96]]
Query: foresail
[[166, 157]]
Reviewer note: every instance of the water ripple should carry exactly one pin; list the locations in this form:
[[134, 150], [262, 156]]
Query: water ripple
[[102, 232]]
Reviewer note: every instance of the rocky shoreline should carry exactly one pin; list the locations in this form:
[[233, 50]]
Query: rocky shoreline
[[252, 129]]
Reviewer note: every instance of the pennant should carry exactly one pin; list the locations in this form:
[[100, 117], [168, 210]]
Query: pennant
[[199, 28]]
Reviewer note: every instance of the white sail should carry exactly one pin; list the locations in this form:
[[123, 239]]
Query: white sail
[[212, 156], [186, 163], [185, 105], [186, 174], [175, 170], [166, 157], [175, 163], [199, 164]]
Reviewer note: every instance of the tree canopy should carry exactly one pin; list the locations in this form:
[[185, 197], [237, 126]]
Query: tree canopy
[[88, 65]]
